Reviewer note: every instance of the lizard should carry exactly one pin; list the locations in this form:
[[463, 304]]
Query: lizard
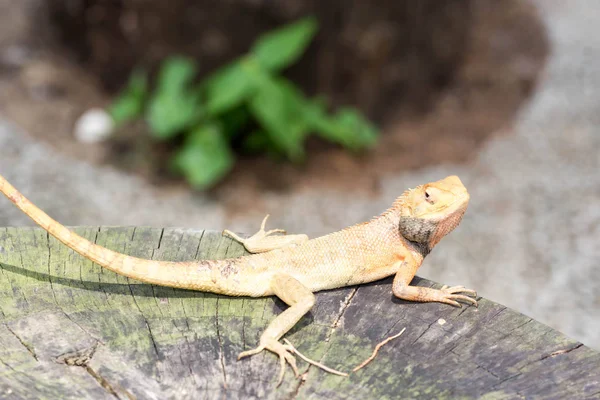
[[294, 267]]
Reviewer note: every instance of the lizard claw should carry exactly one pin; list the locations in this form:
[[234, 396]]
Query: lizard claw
[[450, 296], [283, 351]]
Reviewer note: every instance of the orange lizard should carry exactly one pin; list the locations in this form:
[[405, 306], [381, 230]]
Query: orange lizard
[[294, 267]]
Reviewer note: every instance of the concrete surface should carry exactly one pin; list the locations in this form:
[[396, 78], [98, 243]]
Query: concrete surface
[[530, 240]]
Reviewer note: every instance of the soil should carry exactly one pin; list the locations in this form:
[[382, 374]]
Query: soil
[[44, 91]]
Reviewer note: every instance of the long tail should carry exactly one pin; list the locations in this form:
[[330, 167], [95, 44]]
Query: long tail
[[189, 275]]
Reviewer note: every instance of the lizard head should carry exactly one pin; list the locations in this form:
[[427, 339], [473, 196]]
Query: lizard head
[[431, 211]]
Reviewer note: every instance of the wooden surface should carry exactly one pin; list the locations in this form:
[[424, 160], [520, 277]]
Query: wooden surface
[[72, 330]]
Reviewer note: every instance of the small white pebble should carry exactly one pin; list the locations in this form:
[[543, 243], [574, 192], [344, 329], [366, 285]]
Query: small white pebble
[[94, 126], [14, 56], [441, 321]]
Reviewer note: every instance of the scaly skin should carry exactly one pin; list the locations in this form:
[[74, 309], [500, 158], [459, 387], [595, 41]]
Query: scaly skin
[[293, 267]]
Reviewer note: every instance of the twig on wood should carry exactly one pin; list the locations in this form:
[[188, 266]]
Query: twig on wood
[[315, 363], [368, 360]]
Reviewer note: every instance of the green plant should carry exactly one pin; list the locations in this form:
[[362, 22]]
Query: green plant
[[247, 102]]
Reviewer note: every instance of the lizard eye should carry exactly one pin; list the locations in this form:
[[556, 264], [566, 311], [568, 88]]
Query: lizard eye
[[428, 197]]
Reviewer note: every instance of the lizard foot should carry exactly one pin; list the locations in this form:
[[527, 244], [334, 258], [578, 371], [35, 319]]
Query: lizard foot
[[450, 295], [262, 240], [283, 351]]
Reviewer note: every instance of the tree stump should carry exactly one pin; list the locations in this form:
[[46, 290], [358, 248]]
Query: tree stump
[[71, 329]]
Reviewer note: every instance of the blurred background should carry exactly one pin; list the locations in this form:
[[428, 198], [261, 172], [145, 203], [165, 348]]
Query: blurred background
[[211, 114]]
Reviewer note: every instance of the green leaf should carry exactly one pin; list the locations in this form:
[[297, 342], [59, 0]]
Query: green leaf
[[173, 107], [234, 122], [282, 47], [130, 103], [257, 142], [176, 72], [278, 107], [205, 157], [228, 87], [348, 127]]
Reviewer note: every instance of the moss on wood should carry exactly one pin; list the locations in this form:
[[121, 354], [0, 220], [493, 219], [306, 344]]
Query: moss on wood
[[73, 330]]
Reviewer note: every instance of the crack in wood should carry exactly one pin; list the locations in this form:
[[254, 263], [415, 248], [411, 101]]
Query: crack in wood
[[22, 266], [81, 358], [12, 289], [464, 308], [49, 271], [106, 385], [510, 333], [479, 366], [133, 233], [162, 232], [189, 366], [341, 312], [150, 334], [152, 338], [27, 346], [153, 287], [473, 329], [498, 384], [424, 332], [146, 322], [180, 347], [520, 369], [562, 351], [10, 367], [220, 341], [219, 338], [243, 324], [83, 329], [101, 270], [199, 244]]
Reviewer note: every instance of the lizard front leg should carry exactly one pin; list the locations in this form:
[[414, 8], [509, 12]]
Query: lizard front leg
[[448, 295], [301, 300], [262, 241]]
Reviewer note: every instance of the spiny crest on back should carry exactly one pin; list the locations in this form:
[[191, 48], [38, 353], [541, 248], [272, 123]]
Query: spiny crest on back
[[405, 201]]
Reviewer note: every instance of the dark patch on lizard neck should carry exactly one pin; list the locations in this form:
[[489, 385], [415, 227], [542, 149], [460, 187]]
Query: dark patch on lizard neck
[[420, 248], [417, 230], [417, 233]]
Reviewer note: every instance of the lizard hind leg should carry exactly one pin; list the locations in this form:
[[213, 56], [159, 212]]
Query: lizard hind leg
[[301, 300], [263, 241]]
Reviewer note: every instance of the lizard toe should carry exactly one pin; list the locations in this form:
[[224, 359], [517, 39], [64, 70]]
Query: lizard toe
[[285, 356], [249, 353], [448, 300], [463, 298], [465, 294], [458, 289], [284, 353]]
